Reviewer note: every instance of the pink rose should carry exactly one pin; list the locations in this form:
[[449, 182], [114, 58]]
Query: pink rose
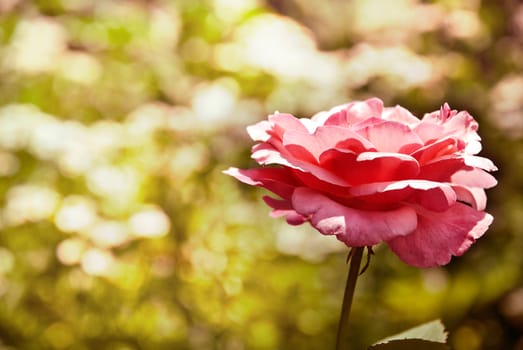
[[369, 174]]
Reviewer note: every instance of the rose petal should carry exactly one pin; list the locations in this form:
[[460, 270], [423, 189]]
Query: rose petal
[[335, 116], [473, 147], [391, 136], [354, 227], [480, 162], [283, 122], [399, 114], [366, 123], [350, 113], [360, 110], [272, 130], [431, 195], [454, 170], [313, 182], [441, 170], [437, 150], [428, 132], [460, 125], [370, 167], [439, 236], [311, 146], [438, 198], [439, 117], [302, 145], [284, 208], [260, 131], [276, 180], [279, 205], [266, 154], [473, 177], [474, 196]]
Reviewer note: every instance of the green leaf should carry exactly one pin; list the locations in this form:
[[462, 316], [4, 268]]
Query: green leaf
[[429, 333], [410, 344]]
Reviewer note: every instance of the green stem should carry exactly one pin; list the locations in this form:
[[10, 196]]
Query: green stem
[[342, 342]]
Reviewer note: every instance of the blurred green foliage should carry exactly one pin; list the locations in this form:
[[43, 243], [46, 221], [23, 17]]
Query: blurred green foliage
[[118, 229]]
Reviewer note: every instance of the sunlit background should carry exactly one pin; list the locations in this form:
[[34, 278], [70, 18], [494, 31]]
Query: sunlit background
[[118, 229]]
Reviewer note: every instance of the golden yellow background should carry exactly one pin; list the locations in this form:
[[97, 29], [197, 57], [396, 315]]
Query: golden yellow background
[[118, 229]]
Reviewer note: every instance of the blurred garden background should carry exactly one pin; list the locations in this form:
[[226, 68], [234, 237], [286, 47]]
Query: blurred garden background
[[118, 229]]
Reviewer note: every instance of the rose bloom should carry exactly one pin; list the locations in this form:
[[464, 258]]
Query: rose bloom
[[369, 174]]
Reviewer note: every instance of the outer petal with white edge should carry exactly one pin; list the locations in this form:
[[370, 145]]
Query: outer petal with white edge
[[439, 236], [354, 227]]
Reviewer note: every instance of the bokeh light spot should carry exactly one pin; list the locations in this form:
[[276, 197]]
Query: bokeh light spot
[[36, 45], [76, 213], [29, 203], [7, 261], [9, 164], [150, 222], [109, 233], [98, 262], [214, 102], [70, 251]]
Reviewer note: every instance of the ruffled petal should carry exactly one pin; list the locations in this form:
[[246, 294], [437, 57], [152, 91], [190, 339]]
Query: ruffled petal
[[431, 195], [302, 145], [309, 147], [360, 110], [460, 125], [436, 150], [354, 227], [392, 136], [368, 167], [313, 182], [400, 114], [480, 162], [283, 208], [463, 125], [351, 113], [272, 130], [454, 170], [473, 177], [439, 236], [474, 196], [428, 132], [266, 154], [282, 122], [276, 180], [260, 131], [336, 116], [441, 170]]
